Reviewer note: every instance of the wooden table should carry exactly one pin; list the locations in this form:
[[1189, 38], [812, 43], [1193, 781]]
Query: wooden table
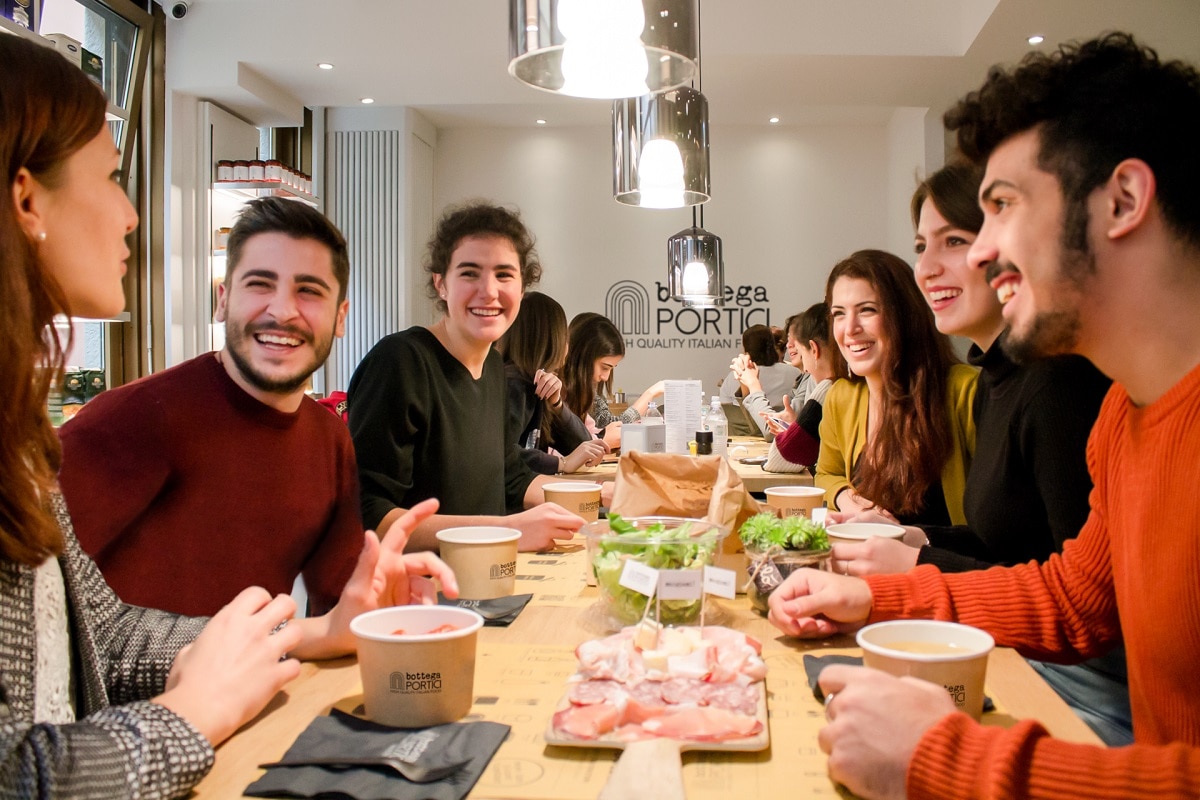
[[754, 477], [519, 677]]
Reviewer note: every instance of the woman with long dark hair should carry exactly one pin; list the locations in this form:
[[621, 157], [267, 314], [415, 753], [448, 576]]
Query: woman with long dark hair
[[899, 434], [595, 349], [535, 350]]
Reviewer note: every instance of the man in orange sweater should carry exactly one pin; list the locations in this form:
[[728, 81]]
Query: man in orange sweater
[[1091, 239]]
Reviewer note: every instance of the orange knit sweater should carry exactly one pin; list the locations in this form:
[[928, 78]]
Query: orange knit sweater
[[1135, 569]]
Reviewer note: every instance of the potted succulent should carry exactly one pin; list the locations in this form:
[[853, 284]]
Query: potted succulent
[[777, 547]]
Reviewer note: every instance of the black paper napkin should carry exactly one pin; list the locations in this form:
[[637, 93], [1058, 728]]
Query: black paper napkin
[[814, 664], [341, 755], [498, 612]]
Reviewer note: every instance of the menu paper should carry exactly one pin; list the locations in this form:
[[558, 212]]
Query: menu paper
[[679, 584], [681, 400]]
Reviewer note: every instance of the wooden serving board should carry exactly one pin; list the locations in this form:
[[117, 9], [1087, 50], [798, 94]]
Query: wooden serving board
[[654, 767]]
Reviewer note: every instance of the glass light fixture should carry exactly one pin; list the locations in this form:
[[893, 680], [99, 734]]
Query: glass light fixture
[[696, 269], [602, 48], [660, 149]]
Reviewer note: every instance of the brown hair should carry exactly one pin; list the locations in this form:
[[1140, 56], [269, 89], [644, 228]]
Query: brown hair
[[537, 339], [954, 192], [479, 218], [297, 220], [592, 336], [759, 343], [913, 439], [48, 111], [812, 325]]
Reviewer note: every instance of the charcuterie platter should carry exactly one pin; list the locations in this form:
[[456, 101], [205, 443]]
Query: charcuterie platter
[[656, 692]]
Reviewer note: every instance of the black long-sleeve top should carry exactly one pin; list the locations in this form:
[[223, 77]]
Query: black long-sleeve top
[[1027, 491], [525, 410]]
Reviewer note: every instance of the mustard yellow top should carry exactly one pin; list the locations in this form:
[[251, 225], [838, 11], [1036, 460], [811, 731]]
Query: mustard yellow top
[[844, 431]]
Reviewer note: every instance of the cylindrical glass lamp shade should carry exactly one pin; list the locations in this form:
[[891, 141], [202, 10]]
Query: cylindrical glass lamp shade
[[660, 150], [603, 48], [695, 268]]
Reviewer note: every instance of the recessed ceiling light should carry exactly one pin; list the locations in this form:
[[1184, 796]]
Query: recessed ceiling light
[[541, 122], [1036, 39], [325, 65], [773, 120], [366, 101]]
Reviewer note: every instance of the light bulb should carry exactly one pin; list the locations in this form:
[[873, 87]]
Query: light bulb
[[603, 54], [660, 175], [695, 278]]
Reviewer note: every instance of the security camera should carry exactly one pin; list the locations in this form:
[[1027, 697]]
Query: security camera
[[179, 10]]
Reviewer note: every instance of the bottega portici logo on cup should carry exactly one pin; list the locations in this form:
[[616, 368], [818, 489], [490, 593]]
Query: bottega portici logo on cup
[[501, 571], [401, 682]]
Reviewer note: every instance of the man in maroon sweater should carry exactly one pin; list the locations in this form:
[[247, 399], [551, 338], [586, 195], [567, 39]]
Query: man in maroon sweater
[[219, 473]]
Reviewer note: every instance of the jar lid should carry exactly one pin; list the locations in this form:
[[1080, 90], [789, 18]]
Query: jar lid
[[704, 437]]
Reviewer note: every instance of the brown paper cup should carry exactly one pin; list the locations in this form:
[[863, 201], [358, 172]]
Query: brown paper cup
[[946, 653], [794, 501], [416, 679], [484, 560], [577, 497]]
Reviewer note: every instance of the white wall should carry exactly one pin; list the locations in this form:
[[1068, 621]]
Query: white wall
[[788, 203]]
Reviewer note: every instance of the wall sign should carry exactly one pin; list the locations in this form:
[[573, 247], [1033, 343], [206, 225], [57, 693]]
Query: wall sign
[[658, 322]]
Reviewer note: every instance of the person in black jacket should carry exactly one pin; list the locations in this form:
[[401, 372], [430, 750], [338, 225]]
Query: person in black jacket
[[535, 350]]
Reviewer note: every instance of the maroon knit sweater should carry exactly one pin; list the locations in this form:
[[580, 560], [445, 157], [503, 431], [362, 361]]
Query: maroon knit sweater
[[186, 490]]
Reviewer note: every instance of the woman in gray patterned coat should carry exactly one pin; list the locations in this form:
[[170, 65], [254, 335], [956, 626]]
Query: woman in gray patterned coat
[[99, 699]]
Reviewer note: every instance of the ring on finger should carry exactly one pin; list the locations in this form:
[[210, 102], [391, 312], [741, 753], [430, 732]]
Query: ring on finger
[[828, 701]]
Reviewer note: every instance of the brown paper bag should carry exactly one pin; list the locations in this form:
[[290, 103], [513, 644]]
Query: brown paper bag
[[666, 484]]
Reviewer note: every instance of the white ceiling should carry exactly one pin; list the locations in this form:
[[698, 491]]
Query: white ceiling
[[805, 61]]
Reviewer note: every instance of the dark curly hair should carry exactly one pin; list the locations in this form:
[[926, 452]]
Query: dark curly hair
[[479, 218], [1095, 104]]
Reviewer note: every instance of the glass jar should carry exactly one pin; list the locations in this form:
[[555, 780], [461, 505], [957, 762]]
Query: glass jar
[[241, 170], [224, 170], [257, 170], [770, 568], [274, 170]]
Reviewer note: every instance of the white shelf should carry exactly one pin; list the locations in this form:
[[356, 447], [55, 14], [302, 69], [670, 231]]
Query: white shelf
[[8, 26], [252, 189], [59, 319]]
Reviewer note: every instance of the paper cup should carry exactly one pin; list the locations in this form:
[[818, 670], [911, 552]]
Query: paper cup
[[577, 497], [794, 501], [946, 653], [484, 560], [416, 679], [857, 532]]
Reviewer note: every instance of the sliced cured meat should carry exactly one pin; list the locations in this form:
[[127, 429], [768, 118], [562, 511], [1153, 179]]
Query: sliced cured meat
[[708, 724], [732, 697], [729, 638], [586, 693], [587, 722]]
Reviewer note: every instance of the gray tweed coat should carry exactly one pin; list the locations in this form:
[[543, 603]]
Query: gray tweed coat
[[121, 746]]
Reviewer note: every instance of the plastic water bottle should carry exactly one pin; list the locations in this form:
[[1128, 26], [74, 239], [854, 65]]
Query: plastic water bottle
[[652, 415], [719, 425]]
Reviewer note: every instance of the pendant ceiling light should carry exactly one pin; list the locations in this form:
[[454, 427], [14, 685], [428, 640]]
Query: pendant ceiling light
[[602, 48], [660, 149], [695, 267]]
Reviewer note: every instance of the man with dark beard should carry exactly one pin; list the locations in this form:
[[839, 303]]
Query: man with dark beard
[[217, 474], [1091, 239]]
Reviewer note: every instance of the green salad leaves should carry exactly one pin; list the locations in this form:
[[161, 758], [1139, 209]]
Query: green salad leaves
[[655, 545], [764, 531]]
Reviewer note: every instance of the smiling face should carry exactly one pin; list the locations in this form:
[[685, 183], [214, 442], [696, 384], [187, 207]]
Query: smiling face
[[795, 351], [1039, 281], [482, 290], [858, 326], [281, 313], [962, 301], [86, 217]]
